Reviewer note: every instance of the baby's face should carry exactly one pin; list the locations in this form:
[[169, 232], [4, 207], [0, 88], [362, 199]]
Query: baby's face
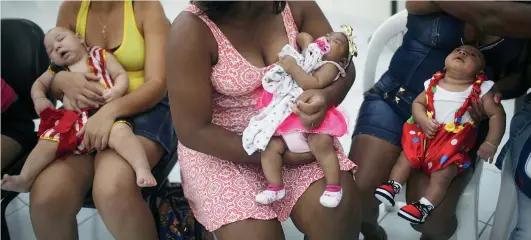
[[338, 47], [465, 59], [62, 46]]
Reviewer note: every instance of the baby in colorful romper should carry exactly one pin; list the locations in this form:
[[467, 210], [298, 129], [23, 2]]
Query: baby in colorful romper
[[440, 133], [335, 53], [59, 129]]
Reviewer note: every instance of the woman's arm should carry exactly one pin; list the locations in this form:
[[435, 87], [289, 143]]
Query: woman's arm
[[517, 82], [311, 19], [189, 65], [155, 28], [499, 18]]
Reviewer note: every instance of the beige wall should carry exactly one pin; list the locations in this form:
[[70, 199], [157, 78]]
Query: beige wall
[[368, 9]]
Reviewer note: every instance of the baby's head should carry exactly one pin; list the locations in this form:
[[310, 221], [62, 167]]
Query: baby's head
[[467, 61], [63, 46], [335, 47]]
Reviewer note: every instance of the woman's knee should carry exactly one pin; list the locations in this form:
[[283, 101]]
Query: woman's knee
[[114, 182], [55, 200], [438, 228], [251, 229], [375, 159], [61, 187], [319, 222]]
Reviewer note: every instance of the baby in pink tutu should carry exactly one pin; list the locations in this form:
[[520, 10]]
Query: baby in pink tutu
[[334, 52]]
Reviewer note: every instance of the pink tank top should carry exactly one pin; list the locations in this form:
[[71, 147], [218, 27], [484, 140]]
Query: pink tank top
[[8, 95], [237, 83]]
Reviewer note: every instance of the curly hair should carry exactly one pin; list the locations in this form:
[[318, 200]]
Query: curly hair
[[217, 9]]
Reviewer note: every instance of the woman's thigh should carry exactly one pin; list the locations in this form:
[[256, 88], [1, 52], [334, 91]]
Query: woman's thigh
[[318, 222], [156, 125], [376, 142], [63, 183], [113, 172], [11, 150], [251, 229], [445, 212]]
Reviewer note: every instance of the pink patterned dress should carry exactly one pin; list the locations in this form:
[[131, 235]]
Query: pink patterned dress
[[222, 192]]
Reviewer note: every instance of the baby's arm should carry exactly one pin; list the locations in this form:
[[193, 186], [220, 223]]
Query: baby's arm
[[429, 126], [38, 92], [119, 77], [304, 39], [323, 77], [496, 115]]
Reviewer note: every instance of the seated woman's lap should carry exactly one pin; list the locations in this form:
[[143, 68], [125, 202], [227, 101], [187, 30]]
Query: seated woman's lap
[[221, 192], [155, 132], [308, 215], [75, 174], [378, 119]]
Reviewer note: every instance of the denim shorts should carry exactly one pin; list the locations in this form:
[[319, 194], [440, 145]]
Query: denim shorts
[[387, 106], [516, 147], [156, 125], [377, 117]]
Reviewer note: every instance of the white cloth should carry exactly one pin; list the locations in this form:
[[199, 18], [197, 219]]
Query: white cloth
[[446, 103], [285, 91]]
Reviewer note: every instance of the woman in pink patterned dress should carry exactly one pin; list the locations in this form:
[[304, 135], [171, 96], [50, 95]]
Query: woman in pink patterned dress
[[218, 53]]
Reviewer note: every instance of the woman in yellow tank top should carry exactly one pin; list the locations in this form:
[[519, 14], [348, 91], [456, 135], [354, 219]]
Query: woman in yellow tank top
[[136, 32]]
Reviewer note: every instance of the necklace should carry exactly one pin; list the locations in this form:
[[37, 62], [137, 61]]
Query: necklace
[[104, 26]]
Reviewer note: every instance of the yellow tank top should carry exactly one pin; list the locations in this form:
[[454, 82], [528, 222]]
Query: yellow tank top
[[131, 52]]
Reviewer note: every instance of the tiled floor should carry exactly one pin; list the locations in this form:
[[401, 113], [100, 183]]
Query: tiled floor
[[90, 224]]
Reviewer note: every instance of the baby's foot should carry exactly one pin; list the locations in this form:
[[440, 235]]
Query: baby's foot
[[331, 196], [271, 194], [386, 193], [144, 178], [416, 212], [16, 183]]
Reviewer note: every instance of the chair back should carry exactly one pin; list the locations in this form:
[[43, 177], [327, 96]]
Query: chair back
[[24, 57], [388, 30]]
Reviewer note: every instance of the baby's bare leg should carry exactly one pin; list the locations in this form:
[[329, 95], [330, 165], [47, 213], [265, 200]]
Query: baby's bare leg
[[40, 157], [272, 161], [401, 170], [125, 143], [322, 147], [439, 182], [272, 168]]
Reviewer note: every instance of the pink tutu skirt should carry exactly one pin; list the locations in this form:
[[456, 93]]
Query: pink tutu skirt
[[335, 122]]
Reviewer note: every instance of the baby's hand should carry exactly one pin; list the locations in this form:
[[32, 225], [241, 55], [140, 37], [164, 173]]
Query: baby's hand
[[41, 104], [110, 95], [429, 127], [287, 62], [486, 151]]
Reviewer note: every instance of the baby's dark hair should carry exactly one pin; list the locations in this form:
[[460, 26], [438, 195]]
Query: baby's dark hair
[[217, 9]]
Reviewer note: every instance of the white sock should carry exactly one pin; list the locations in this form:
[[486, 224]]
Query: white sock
[[426, 202], [397, 185]]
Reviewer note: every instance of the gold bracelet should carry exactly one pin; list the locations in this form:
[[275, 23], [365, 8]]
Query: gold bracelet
[[487, 142]]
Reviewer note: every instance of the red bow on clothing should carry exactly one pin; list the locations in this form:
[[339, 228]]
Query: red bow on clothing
[[65, 127]]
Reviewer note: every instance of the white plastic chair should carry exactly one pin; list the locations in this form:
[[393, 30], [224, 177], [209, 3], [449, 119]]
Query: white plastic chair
[[467, 209], [505, 214], [506, 209]]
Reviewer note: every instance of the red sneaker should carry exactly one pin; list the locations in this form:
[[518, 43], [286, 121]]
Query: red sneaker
[[415, 213], [386, 193]]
